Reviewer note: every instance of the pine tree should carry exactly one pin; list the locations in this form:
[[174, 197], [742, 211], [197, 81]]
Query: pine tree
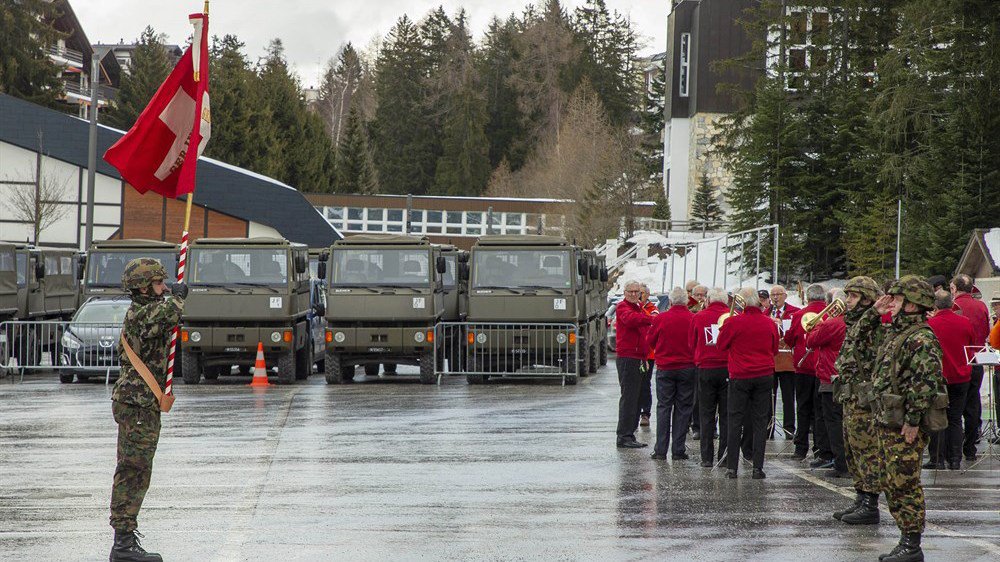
[[705, 208], [609, 45], [495, 67], [661, 211], [355, 171], [341, 81], [148, 69], [26, 31], [652, 125]]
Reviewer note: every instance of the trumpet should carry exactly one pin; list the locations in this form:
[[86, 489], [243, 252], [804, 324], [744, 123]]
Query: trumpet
[[738, 301], [812, 319]]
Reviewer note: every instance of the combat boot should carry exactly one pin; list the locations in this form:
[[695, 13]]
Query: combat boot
[[857, 503], [127, 549], [865, 514], [908, 550]]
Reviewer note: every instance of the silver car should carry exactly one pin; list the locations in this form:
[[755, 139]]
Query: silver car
[[89, 345]]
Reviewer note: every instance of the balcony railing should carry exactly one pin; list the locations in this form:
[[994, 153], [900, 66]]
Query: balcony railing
[[68, 55]]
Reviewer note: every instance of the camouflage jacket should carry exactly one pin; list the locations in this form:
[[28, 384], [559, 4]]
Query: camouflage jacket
[[915, 356], [856, 361], [148, 325]]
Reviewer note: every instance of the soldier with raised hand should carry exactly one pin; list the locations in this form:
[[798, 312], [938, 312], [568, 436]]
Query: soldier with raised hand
[[852, 389], [907, 377], [147, 328]]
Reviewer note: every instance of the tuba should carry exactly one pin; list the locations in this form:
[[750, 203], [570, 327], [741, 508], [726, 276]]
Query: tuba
[[738, 302], [812, 319]]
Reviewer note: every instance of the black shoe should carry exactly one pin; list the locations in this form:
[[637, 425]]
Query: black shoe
[[680, 457], [758, 474], [933, 465], [630, 445], [865, 514], [730, 473], [908, 550], [696, 436], [954, 465], [707, 464], [857, 503], [658, 457], [127, 549], [821, 463]]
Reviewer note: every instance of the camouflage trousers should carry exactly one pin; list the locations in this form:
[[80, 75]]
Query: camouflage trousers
[[138, 434], [901, 478], [861, 448]]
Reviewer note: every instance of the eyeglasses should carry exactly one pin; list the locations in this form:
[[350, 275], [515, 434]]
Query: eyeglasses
[[778, 294], [635, 291]]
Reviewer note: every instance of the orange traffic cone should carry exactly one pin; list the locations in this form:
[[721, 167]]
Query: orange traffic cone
[[259, 370]]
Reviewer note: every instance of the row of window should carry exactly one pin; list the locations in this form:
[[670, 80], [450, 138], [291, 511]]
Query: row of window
[[461, 223]]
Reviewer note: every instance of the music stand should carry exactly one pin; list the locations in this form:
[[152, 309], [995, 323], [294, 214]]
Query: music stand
[[987, 357]]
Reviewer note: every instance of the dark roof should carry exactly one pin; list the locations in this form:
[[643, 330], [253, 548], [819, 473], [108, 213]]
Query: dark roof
[[221, 187]]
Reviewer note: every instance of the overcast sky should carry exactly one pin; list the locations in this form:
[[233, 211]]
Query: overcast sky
[[313, 30]]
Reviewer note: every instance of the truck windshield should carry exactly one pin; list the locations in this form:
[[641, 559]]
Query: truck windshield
[[522, 268], [105, 269], [375, 266], [239, 265]]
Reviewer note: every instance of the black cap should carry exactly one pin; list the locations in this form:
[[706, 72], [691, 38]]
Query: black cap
[[938, 281], [763, 294]]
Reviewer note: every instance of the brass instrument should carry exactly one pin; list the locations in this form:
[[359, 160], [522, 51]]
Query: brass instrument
[[812, 319], [738, 301]]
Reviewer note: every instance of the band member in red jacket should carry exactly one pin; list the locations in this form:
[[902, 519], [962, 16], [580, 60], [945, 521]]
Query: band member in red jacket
[[646, 394], [825, 341], [630, 346], [954, 332], [977, 313], [713, 376], [751, 341], [784, 368], [675, 375], [807, 385]]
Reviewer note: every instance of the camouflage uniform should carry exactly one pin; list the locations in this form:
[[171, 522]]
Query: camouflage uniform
[[147, 328], [912, 351]]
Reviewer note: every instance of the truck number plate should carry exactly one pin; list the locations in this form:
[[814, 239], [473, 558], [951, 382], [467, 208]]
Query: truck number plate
[[518, 351], [275, 302], [378, 349], [558, 304], [234, 349]]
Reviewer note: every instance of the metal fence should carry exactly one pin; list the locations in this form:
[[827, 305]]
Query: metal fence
[[80, 349], [481, 351]]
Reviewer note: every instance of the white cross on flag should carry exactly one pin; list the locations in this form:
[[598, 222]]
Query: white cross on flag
[[155, 153]]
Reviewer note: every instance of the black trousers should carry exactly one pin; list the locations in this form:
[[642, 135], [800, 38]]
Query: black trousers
[[713, 384], [645, 393], [749, 397], [696, 418], [946, 445], [630, 381], [785, 381], [674, 403], [821, 445], [833, 421], [805, 410], [973, 412]]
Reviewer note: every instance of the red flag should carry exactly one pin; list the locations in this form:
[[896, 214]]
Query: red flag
[[154, 154]]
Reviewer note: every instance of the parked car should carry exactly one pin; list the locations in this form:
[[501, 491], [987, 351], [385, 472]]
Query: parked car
[[89, 347]]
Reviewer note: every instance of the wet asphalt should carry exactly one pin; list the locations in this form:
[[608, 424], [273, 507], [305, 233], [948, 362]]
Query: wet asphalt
[[386, 468]]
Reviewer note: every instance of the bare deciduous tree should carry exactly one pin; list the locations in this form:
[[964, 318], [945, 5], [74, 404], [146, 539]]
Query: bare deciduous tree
[[40, 203]]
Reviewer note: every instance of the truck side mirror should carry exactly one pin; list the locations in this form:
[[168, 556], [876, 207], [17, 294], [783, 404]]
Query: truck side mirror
[[301, 264], [324, 256], [81, 268], [604, 274], [463, 272], [321, 268], [39, 271], [581, 267], [441, 264], [595, 272]]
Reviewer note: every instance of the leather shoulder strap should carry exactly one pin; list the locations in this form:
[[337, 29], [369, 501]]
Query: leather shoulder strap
[[143, 370]]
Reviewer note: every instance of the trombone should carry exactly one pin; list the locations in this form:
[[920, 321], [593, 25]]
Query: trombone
[[738, 302], [812, 319]]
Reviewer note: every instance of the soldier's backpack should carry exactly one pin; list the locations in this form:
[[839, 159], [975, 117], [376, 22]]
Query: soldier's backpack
[[935, 418]]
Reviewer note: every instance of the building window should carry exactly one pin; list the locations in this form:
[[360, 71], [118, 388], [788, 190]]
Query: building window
[[354, 213], [395, 215], [685, 66], [375, 214]]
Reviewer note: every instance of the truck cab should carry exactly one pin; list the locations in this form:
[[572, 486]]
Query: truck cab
[[107, 259]]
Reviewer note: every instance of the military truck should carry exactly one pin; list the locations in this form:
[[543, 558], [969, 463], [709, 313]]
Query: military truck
[[385, 296], [107, 259], [544, 283], [597, 307], [244, 291]]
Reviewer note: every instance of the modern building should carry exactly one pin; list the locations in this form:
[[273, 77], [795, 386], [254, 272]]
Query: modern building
[[699, 33], [72, 54], [44, 152], [122, 52]]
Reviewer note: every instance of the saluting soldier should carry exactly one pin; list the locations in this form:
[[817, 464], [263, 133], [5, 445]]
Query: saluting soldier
[[855, 366], [147, 328], [907, 378]]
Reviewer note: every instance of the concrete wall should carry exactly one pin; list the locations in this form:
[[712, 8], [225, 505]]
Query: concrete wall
[[677, 153], [701, 159]]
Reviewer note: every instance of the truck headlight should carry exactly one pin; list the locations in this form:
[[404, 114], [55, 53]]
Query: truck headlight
[[418, 337], [339, 337], [481, 337], [560, 338], [275, 337], [69, 342], [195, 337]]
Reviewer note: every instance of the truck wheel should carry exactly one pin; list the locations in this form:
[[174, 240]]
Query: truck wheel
[[65, 378], [389, 368], [583, 363], [286, 368], [190, 368], [334, 370], [592, 358], [371, 370], [571, 380], [427, 369], [303, 362], [244, 370], [604, 354]]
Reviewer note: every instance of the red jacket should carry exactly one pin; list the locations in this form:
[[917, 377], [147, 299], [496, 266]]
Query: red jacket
[[977, 313], [825, 341], [795, 337], [954, 332], [707, 356], [751, 339], [650, 309], [785, 313], [631, 324], [669, 338]]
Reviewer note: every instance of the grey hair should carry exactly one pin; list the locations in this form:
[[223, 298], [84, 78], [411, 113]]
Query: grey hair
[[834, 294], [943, 300], [700, 287], [644, 287], [717, 294], [815, 292], [631, 282], [750, 296], [678, 296]]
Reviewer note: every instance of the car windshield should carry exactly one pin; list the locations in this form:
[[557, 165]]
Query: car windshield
[[522, 268], [107, 312], [105, 269], [376, 266], [239, 265]]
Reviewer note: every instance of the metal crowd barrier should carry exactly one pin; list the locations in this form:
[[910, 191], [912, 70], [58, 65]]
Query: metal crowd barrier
[[80, 349], [484, 350]]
